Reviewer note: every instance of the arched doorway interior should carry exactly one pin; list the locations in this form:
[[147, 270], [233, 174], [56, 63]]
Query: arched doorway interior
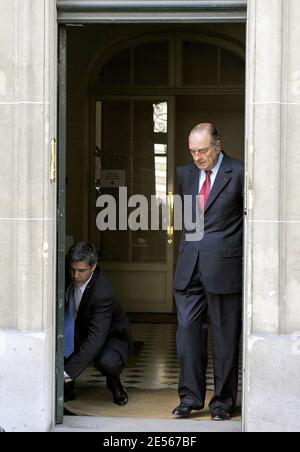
[[146, 96]]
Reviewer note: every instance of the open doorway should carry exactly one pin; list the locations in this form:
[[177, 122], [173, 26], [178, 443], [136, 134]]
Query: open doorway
[[134, 93]]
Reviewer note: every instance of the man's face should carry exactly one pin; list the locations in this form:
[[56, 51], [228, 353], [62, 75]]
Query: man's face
[[81, 272], [204, 153]]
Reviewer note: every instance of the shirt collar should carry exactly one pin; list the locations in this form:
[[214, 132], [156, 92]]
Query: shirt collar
[[84, 286], [218, 164]]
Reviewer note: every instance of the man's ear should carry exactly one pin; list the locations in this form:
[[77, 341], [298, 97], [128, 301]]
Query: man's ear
[[94, 267]]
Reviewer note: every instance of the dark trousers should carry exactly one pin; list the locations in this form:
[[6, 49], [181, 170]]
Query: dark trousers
[[109, 362], [225, 312]]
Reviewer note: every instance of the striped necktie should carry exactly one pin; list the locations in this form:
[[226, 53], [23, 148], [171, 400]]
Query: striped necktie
[[206, 189]]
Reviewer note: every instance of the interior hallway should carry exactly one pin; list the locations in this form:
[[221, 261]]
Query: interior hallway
[[151, 379]]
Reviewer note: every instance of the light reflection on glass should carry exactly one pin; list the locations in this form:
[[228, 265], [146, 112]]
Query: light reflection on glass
[[161, 176], [160, 115], [160, 149], [160, 119]]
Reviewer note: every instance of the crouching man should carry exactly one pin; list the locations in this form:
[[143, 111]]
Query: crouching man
[[96, 329]]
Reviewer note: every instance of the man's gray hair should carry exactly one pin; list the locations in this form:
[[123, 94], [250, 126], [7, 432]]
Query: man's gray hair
[[83, 252], [215, 136]]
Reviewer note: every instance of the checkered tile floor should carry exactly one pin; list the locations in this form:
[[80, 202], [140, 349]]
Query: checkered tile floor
[[157, 365]]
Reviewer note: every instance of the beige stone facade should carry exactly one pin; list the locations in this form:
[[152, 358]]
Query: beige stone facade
[[28, 210], [28, 117], [272, 317]]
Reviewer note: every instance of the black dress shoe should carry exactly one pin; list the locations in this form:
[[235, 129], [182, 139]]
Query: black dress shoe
[[69, 391], [183, 410], [119, 393], [220, 414]]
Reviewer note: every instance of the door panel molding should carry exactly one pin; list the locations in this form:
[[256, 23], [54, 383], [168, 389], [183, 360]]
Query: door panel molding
[[152, 5], [139, 273], [101, 11]]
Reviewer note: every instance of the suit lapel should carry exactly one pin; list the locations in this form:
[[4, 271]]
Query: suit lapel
[[222, 179], [85, 295], [194, 187]]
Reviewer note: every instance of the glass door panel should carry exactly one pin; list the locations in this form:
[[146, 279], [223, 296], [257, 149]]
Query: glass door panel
[[133, 151]]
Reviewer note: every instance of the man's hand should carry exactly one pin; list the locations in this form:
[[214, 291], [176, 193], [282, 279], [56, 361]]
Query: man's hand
[[67, 378]]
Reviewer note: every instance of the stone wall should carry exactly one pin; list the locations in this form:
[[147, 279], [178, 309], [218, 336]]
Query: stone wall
[[28, 33], [272, 278], [28, 71]]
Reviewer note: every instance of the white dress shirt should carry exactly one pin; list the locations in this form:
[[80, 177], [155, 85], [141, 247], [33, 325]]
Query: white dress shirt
[[78, 293], [214, 174]]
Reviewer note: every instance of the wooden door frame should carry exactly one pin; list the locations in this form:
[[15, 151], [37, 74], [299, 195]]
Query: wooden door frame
[[61, 221]]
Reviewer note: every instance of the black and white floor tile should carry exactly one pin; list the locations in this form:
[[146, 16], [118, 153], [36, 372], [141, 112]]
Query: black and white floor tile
[[157, 366]]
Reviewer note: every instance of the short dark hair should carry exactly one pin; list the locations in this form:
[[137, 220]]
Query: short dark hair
[[83, 252], [215, 136]]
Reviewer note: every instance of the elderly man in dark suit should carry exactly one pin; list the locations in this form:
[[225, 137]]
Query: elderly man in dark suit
[[208, 276], [96, 329]]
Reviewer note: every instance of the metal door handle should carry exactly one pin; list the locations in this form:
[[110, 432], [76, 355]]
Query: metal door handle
[[170, 230]]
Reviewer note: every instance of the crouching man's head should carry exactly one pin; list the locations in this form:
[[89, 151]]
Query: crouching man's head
[[82, 260]]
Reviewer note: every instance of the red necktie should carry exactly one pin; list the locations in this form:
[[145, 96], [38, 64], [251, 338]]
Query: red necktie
[[206, 189]]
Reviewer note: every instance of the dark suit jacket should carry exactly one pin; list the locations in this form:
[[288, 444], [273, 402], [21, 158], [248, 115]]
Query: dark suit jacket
[[220, 251], [100, 319]]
